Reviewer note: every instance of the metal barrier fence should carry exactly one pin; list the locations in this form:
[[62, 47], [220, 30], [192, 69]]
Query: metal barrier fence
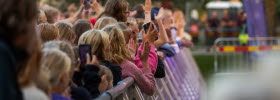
[[183, 81], [235, 55]]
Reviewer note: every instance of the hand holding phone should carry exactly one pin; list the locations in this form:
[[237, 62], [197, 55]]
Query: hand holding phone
[[84, 50], [93, 61], [150, 31]]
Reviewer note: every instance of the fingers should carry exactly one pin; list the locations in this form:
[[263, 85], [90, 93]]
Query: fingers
[[94, 60], [148, 2], [88, 59], [150, 27], [155, 15], [133, 44], [161, 10]]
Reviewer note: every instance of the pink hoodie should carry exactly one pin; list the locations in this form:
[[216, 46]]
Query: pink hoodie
[[144, 79], [152, 60]]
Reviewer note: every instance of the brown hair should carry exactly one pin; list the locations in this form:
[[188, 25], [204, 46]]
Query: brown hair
[[117, 9], [51, 13], [65, 31], [140, 10], [140, 22], [102, 22], [98, 40], [16, 18], [48, 32], [41, 17], [117, 44], [81, 26], [128, 30]]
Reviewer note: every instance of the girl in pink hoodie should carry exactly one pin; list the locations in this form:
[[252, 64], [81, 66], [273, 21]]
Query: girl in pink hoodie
[[144, 78]]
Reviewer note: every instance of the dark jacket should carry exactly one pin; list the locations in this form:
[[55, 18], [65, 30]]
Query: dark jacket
[[116, 71], [77, 78], [160, 72], [80, 93], [9, 58], [168, 50], [92, 80]]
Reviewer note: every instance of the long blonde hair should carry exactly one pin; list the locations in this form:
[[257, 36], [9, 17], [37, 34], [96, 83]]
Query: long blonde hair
[[104, 21], [99, 41], [117, 44], [55, 62], [65, 31]]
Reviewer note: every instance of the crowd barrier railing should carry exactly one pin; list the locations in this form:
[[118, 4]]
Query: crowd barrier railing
[[239, 55], [183, 81]]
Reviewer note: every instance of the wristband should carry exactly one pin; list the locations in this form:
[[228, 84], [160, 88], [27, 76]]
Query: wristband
[[86, 11]]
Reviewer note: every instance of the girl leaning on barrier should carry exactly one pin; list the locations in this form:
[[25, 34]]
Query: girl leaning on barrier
[[119, 55], [99, 41], [95, 82]]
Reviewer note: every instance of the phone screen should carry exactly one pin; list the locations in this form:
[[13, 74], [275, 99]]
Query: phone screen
[[83, 51], [146, 26]]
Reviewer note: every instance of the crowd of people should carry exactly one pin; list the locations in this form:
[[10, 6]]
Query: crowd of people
[[42, 56], [228, 25]]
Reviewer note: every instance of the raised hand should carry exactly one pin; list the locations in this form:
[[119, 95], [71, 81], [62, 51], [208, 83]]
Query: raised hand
[[159, 16], [131, 46], [144, 55], [95, 5], [94, 60], [151, 34], [148, 5]]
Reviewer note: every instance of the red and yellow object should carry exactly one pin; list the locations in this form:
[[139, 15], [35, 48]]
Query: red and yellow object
[[247, 48]]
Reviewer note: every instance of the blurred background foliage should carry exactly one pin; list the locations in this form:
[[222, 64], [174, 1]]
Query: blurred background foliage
[[63, 4], [278, 7]]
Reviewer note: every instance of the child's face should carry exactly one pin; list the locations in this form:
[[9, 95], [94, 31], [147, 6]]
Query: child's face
[[105, 84]]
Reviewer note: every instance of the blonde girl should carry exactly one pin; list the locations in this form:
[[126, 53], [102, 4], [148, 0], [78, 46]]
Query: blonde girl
[[104, 21], [57, 64], [143, 78], [65, 31], [99, 41]]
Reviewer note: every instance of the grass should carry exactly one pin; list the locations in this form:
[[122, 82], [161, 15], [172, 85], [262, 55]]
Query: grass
[[205, 64]]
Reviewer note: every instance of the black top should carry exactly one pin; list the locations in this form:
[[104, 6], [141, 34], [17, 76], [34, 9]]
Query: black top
[[9, 58], [160, 72], [92, 80], [80, 93], [168, 50], [116, 71], [77, 78]]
